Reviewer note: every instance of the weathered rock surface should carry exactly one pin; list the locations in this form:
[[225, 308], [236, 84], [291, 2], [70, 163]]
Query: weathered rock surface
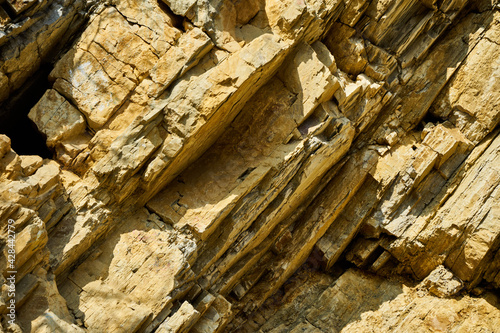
[[221, 166], [360, 302], [31, 32]]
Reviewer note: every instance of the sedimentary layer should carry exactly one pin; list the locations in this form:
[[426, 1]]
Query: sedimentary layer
[[252, 166]]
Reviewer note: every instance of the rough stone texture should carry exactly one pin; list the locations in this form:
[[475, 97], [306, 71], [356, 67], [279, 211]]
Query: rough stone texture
[[218, 164], [61, 122], [34, 32], [360, 302]]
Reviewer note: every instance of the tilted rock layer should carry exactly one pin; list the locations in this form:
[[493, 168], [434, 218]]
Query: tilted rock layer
[[254, 166]]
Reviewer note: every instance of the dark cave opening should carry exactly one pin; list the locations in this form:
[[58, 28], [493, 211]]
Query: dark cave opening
[[429, 117], [14, 121], [432, 118]]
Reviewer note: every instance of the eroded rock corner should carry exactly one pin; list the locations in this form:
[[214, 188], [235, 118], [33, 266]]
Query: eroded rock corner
[[251, 166]]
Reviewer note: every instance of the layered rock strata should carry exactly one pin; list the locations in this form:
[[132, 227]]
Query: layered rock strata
[[271, 166]]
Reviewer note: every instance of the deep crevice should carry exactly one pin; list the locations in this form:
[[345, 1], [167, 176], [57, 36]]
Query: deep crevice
[[428, 118], [8, 10], [432, 118], [177, 20], [14, 121]]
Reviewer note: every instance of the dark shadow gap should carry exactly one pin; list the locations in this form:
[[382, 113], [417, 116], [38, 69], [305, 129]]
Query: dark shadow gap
[[14, 121], [177, 20]]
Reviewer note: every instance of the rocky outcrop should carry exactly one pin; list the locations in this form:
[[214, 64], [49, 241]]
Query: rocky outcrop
[[272, 166], [31, 33], [361, 302]]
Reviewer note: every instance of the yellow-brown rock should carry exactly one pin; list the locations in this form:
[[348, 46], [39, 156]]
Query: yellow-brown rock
[[63, 122], [250, 166]]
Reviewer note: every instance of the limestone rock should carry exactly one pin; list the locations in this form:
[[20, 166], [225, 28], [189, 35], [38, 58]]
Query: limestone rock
[[387, 305], [441, 282], [192, 46], [471, 101], [62, 122], [180, 7], [181, 320], [310, 78], [30, 164], [347, 48], [38, 30], [219, 164]]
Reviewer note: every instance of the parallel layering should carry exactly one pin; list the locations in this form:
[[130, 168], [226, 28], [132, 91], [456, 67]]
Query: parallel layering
[[253, 165]]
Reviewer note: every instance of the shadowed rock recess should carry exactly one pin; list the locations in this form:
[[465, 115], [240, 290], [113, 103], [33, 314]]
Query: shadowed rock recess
[[250, 165]]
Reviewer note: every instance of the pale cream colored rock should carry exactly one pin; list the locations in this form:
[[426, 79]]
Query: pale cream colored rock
[[87, 84], [49, 323], [181, 321], [32, 238], [361, 102], [135, 271], [217, 18], [192, 46], [458, 233], [423, 84], [393, 184], [213, 100], [300, 19], [150, 22], [171, 145], [306, 75], [444, 141], [45, 177], [236, 174], [124, 158], [425, 158], [441, 283], [30, 163], [97, 296], [429, 314], [472, 96], [326, 304], [43, 309], [180, 7], [318, 218], [325, 56], [136, 33], [57, 118], [109, 60], [10, 164]]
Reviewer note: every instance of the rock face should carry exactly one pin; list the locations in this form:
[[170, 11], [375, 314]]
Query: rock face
[[254, 166]]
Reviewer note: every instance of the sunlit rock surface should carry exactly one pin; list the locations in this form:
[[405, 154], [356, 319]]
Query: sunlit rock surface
[[253, 166]]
